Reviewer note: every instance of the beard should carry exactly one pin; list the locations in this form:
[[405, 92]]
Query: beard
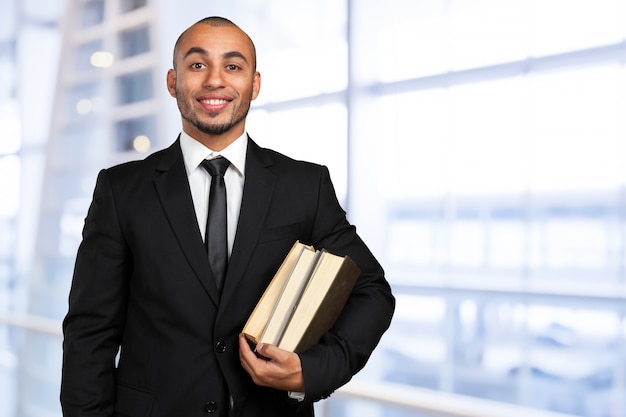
[[190, 115]]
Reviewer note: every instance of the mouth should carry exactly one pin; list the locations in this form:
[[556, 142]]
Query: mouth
[[214, 104]]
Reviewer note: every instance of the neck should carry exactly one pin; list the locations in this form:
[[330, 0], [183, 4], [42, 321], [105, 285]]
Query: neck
[[215, 142]]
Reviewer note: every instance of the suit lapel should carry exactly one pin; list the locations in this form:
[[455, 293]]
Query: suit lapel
[[172, 187], [257, 196]]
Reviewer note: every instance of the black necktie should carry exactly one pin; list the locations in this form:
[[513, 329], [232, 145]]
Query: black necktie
[[215, 236]]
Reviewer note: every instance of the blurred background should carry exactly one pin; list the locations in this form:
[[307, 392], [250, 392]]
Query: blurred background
[[478, 145]]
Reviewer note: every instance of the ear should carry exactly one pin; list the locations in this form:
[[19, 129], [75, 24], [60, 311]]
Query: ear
[[171, 82], [256, 85]]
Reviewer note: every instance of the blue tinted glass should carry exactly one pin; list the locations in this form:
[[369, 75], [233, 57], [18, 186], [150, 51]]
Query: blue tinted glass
[[93, 13], [130, 5], [128, 130], [134, 87], [134, 42], [84, 53]]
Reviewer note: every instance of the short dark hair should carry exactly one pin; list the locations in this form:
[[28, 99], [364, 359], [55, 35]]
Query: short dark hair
[[215, 21]]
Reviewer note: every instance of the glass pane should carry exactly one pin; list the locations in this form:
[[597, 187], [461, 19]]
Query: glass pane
[[85, 141], [134, 41], [576, 130], [84, 54], [572, 357], [321, 69], [9, 185], [506, 237], [84, 99], [414, 349], [40, 387], [576, 238], [487, 150], [454, 140], [467, 240], [488, 343], [603, 21], [7, 252], [128, 132], [8, 69], [408, 39], [416, 236], [8, 372], [130, 5], [322, 142], [416, 39], [10, 127], [415, 153], [459, 34], [135, 87], [302, 48], [486, 32], [92, 13]]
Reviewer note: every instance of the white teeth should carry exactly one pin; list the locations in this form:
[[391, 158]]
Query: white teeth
[[214, 102]]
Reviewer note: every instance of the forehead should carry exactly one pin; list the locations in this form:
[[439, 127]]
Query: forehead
[[215, 40]]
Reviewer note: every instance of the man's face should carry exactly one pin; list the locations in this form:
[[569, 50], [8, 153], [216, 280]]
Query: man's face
[[214, 81]]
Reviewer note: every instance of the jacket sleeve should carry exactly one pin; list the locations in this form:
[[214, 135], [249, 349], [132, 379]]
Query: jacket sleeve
[[94, 323], [346, 348]]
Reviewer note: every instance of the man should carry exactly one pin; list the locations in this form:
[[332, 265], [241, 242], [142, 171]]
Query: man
[[143, 283]]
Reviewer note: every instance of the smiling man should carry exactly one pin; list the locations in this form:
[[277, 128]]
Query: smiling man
[[214, 80], [167, 287]]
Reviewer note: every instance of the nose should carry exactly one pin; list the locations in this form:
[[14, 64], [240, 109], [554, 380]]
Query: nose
[[214, 77]]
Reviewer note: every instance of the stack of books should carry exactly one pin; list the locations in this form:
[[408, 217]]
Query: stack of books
[[303, 300]]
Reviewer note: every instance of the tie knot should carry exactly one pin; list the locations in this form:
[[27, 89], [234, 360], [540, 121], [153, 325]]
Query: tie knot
[[216, 166]]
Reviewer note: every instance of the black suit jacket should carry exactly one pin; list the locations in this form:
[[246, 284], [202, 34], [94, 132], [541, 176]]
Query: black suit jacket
[[142, 283]]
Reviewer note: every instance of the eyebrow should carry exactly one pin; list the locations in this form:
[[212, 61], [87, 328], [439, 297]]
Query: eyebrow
[[204, 52], [235, 54], [196, 50]]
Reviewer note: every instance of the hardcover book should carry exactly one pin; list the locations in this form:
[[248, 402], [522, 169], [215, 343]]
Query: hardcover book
[[303, 300]]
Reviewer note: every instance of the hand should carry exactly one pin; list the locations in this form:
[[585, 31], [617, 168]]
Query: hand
[[282, 371]]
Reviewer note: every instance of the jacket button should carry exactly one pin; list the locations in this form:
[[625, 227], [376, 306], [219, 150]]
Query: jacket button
[[210, 407], [220, 347]]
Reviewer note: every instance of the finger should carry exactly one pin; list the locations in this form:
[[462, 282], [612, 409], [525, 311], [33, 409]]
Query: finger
[[243, 343], [245, 352], [270, 352]]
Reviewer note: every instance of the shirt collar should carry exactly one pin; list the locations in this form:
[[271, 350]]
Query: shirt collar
[[195, 152]]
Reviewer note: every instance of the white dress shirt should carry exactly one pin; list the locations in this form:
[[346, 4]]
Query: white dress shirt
[[200, 180]]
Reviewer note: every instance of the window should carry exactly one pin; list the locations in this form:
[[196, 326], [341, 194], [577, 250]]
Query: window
[[92, 13], [130, 5], [131, 134], [504, 151], [135, 87], [84, 54], [134, 41]]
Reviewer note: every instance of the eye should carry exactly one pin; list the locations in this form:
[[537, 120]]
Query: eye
[[233, 67], [197, 65]]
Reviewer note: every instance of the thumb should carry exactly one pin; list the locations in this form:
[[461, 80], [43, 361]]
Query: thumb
[[268, 351]]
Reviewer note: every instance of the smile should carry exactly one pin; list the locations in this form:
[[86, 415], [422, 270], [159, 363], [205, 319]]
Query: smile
[[214, 102]]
